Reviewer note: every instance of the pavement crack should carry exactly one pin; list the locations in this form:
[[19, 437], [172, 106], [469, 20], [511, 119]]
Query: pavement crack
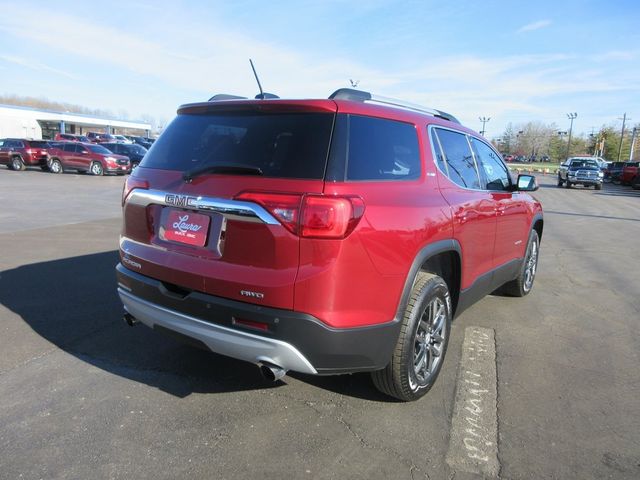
[[28, 361]]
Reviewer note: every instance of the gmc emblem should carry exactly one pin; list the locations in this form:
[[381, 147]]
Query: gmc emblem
[[183, 201]]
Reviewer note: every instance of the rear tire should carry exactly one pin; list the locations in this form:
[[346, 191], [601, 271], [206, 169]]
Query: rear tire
[[422, 344], [17, 163], [635, 183], [522, 285], [55, 166]]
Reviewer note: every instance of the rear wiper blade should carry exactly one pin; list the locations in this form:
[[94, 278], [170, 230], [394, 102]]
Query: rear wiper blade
[[234, 169]]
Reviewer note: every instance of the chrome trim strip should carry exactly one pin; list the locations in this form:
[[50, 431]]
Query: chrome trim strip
[[230, 209], [226, 341]]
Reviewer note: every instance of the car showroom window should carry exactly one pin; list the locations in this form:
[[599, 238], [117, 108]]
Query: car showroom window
[[495, 173], [381, 149], [461, 165]]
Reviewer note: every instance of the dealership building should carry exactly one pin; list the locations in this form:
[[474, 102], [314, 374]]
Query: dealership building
[[27, 122]]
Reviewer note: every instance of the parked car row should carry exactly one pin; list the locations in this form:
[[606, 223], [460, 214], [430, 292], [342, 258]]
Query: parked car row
[[81, 156], [96, 137]]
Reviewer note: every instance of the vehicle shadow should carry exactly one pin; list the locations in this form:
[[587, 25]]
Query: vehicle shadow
[[73, 304]]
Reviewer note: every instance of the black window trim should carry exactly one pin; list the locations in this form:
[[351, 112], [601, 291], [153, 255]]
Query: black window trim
[[435, 161], [482, 172]]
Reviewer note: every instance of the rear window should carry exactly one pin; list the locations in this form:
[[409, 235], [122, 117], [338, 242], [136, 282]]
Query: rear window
[[283, 145], [37, 144]]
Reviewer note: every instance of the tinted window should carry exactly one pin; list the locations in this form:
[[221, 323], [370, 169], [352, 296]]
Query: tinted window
[[79, 148], [36, 144], [69, 147], [380, 149], [495, 173], [461, 167], [99, 149], [285, 145]]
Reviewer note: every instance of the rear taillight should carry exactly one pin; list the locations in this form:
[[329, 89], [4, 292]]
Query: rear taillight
[[28, 151], [285, 207], [132, 183], [311, 215]]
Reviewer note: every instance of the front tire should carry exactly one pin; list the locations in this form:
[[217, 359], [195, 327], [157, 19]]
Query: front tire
[[422, 343], [560, 182], [96, 169], [598, 186], [55, 166]]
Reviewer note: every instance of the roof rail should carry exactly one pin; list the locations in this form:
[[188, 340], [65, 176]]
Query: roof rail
[[362, 96], [225, 96]]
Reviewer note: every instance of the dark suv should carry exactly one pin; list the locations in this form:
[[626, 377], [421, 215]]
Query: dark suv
[[19, 153], [134, 151], [323, 236]]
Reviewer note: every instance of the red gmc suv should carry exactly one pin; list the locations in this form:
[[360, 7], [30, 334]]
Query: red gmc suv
[[323, 236], [87, 157]]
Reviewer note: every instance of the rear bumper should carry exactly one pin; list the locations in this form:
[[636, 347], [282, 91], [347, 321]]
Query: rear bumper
[[293, 340]]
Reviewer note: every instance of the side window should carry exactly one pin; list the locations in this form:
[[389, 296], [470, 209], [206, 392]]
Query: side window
[[381, 149], [495, 173], [69, 147], [18, 144], [461, 166], [80, 148]]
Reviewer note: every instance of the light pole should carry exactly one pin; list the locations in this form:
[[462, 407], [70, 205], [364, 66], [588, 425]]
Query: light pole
[[624, 120], [483, 120], [633, 143], [572, 117]]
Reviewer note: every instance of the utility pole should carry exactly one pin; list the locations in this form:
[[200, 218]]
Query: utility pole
[[633, 143], [572, 117], [483, 120], [624, 120]]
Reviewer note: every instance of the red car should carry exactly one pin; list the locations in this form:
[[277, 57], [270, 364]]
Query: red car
[[323, 236], [68, 137], [629, 173], [19, 153], [87, 157]]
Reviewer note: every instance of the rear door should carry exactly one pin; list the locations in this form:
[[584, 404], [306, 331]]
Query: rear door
[[229, 232], [68, 155]]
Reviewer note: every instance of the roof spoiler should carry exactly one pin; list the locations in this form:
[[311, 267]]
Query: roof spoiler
[[225, 96], [362, 96]]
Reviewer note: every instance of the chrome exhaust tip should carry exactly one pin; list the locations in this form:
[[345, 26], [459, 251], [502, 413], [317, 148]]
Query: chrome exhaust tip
[[130, 319], [271, 372]]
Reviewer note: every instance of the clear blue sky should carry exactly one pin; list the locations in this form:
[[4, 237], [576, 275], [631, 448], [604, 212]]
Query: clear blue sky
[[511, 61]]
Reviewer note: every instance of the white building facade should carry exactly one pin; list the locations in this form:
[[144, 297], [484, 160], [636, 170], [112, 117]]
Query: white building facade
[[26, 122]]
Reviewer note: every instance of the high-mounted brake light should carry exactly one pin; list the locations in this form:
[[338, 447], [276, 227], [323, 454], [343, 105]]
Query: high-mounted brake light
[[311, 215], [132, 183]]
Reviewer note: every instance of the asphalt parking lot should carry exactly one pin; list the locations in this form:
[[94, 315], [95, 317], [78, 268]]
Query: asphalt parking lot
[[84, 396]]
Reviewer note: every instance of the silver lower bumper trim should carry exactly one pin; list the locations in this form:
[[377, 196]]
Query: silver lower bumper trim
[[222, 340]]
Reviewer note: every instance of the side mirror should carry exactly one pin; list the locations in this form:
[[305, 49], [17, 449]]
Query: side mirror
[[527, 183]]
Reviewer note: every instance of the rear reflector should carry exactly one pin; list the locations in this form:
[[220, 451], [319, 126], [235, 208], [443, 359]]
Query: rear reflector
[[251, 324], [311, 215]]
